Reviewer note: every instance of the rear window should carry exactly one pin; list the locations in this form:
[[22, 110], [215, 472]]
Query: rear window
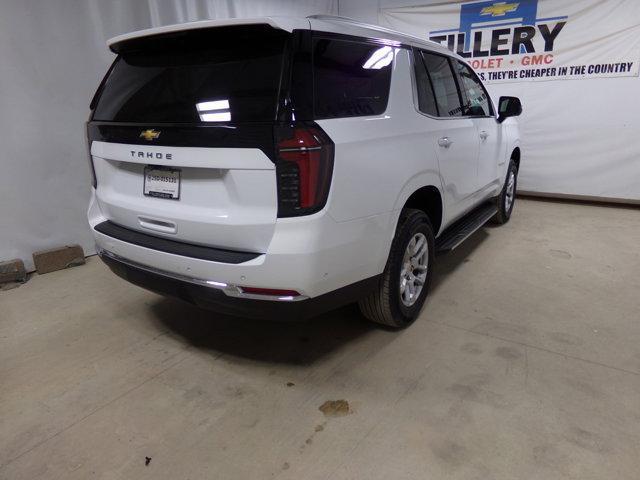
[[350, 78], [426, 97], [228, 74], [444, 85]]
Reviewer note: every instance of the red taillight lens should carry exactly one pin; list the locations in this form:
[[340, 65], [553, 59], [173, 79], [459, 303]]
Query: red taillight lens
[[272, 292], [87, 142], [304, 168]]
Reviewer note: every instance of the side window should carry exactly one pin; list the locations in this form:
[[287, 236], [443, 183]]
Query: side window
[[477, 101], [351, 79], [444, 84], [426, 97]]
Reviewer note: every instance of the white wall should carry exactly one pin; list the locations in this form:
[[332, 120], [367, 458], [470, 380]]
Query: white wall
[[579, 137], [367, 10], [53, 55], [51, 61]]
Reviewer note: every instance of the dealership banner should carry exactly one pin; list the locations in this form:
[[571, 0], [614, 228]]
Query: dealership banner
[[528, 40]]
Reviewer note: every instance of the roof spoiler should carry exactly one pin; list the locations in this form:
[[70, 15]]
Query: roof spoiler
[[281, 23]]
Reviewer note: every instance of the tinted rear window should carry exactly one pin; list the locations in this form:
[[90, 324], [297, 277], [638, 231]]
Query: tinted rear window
[[229, 74], [426, 97], [350, 78], [444, 84]]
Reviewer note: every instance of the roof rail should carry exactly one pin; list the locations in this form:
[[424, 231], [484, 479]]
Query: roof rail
[[357, 23]]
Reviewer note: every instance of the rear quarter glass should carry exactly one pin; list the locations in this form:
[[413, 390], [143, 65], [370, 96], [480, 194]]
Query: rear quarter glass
[[351, 78], [208, 76]]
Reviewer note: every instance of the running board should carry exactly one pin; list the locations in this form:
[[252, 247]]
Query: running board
[[465, 227]]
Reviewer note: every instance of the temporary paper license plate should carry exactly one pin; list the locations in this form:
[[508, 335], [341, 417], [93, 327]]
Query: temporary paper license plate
[[162, 182]]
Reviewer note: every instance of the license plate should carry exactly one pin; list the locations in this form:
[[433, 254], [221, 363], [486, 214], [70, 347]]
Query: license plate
[[162, 182]]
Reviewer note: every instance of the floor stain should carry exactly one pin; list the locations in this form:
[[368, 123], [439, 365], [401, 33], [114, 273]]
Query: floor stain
[[237, 392], [560, 254], [472, 348], [508, 353], [584, 387], [318, 428], [290, 384], [451, 453], [587, 440], [459, 414], [474, 388], [548, 455], [565, 338], [285, 466], [252, 423], [335, 408], [501, 329], [193, 393]]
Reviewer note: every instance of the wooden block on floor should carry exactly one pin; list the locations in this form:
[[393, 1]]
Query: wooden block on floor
[[58, 258], [12, 271]]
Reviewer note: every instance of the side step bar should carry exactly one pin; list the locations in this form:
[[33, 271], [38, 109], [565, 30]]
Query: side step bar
[[465, 227]]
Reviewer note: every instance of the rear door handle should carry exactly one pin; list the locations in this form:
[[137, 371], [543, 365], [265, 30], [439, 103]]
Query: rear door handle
[[444, 142], [483, 135]]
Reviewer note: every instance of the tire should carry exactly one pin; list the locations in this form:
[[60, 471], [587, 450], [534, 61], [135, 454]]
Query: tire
[[389, 304], [507, 198]]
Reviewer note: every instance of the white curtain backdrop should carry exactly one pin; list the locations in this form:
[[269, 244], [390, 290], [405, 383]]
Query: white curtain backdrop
[[53, 55]]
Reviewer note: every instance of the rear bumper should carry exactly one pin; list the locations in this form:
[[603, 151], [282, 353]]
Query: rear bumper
[[312, 255], [214, 298], [227, 289]]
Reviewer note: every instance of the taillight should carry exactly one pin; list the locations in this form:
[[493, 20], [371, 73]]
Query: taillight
[[270, 292], [94, 180], [87, 142], [304, 167]]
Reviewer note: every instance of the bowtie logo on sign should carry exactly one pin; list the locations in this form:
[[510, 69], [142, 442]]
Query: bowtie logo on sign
[[499, 9], [491, 31]]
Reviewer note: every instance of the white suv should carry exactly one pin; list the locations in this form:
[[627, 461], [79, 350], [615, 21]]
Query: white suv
[[280, 167]]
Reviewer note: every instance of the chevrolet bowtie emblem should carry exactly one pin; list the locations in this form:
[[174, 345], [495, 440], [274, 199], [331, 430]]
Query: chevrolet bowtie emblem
[[150, 134], [499, 9]]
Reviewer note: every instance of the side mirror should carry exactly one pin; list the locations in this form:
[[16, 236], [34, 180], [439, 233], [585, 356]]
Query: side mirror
[[508, 107]]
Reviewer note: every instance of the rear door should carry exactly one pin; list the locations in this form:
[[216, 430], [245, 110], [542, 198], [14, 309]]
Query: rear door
[[182, 136], [456, 139]]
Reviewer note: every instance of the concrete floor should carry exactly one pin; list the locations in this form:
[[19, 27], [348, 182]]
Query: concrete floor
[[525, 364]]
